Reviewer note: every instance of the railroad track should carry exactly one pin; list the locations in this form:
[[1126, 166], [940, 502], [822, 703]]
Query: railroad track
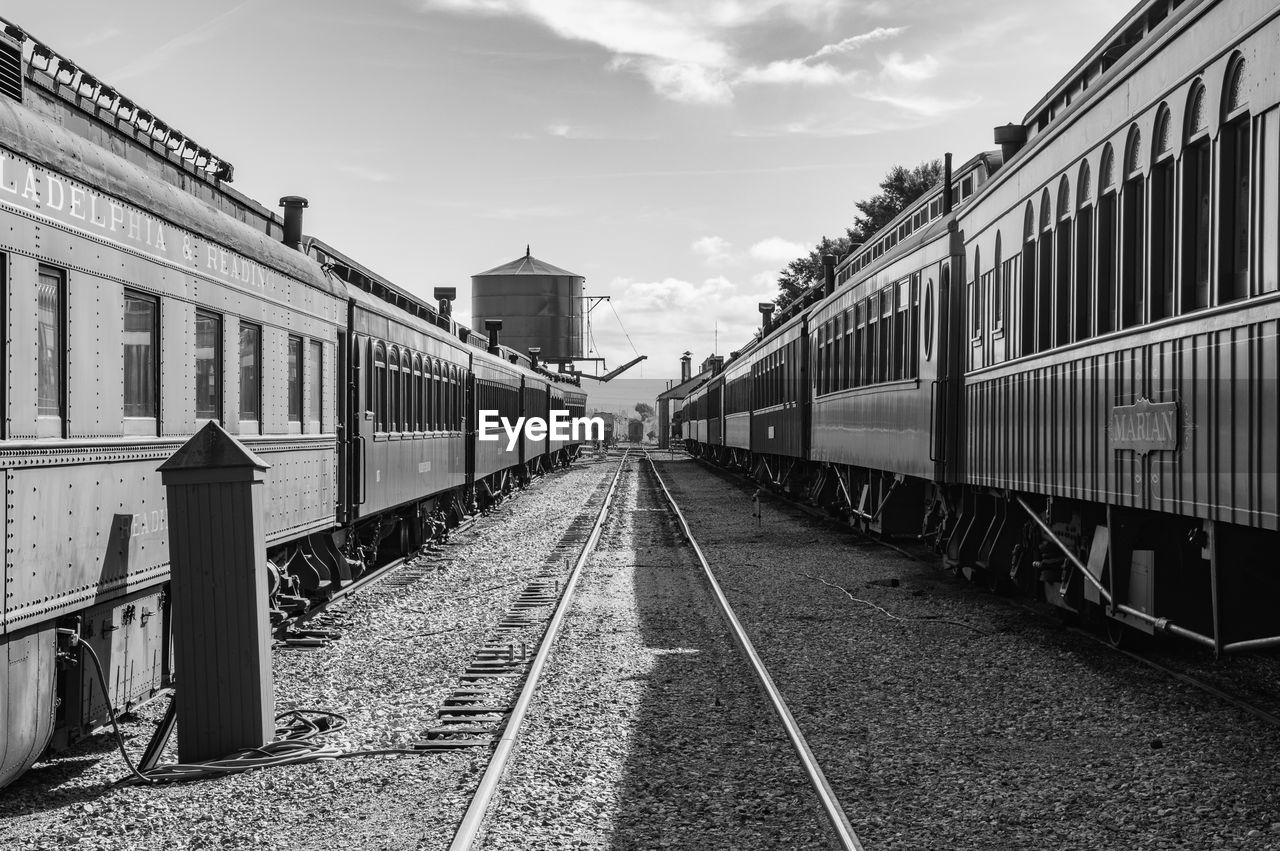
[[473, 705], [1181, 676], [470, 828], [302, 629], [831, 807]]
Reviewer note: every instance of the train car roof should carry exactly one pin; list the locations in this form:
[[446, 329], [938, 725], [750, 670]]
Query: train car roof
[[51, 146], [1114, 49]]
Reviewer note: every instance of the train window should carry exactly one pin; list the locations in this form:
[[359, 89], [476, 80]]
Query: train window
[[1082, 312], [885, 355], [451, 407], [438, 422], [1233, 275], [141, 327], [1197, 205], [416, 420], [974, 286], [901, 323], [378, 387], [848, 348], [1130, 305], [295, 382], [837, 354], [1006, 284], [1044, 277], [208, 365], [406, 391], [395, 396], [1062, 271], [1162, 219], [315, 408], [50, 346], [250, 378], [1104, 304], [1026, 294], [913, 349]]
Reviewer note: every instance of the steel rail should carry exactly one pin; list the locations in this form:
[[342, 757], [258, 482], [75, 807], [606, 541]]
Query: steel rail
[[472, 820], [830, 803]]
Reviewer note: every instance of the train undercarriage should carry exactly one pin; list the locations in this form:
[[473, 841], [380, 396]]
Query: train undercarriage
[[1131, 572]]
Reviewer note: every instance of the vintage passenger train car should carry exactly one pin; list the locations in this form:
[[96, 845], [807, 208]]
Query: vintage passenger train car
[[144, 297], [1069, 380]]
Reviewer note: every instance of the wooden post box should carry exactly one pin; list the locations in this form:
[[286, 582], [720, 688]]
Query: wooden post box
[[218, 579]]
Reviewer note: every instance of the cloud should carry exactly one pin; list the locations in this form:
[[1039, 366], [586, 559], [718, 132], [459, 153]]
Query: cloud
[[683, 82], [855, 41], [895, 67], [923, 106], [685, 51], [675, 314], [714, 250], [564, 131], [795, 71], [775, 249]]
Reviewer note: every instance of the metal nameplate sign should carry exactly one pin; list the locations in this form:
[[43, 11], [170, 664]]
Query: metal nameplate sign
[[1145, 426]]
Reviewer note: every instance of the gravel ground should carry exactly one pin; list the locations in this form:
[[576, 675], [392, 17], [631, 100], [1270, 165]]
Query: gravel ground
[[1014, 734], [648, 730], [401, 651]]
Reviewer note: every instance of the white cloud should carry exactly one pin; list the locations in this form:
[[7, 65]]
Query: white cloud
[[562, 130], [794, 71], [715, 250], [676, 314], [775, 249], [898, 68], [683, 82], [924, 106], [685, 50], [853, 42]]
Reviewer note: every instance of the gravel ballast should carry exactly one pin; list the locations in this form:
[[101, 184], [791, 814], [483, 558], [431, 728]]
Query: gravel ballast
[[400, 654], [1011, 734], [648, 729]]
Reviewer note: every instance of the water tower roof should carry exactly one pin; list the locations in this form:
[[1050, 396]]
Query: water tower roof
[[527, 265]]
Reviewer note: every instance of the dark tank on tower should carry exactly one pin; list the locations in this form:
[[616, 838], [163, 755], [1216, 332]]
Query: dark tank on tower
[[540, 305]]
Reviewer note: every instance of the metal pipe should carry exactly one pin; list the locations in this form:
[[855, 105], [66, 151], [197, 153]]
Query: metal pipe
[[293, 207], [1163, 625], [828, 275], [1252, 644], [493, 326], [1035, 518], [946, 183]]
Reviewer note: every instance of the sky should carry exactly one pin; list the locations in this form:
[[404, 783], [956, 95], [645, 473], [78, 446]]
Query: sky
[[676, 153]]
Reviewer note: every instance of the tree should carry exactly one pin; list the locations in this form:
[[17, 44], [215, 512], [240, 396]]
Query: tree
[[900, 188], [645, 411]]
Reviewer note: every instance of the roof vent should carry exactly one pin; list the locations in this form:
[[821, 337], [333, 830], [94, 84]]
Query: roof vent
[[10, 66]]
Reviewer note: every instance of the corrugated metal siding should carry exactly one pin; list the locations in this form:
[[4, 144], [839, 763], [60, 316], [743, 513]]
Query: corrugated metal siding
[[1043, 426]]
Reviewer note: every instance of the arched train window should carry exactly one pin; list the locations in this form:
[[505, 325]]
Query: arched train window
[[1234, 230]]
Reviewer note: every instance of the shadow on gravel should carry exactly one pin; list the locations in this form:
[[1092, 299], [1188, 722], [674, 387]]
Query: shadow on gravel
[[38, 790], [708, 766]]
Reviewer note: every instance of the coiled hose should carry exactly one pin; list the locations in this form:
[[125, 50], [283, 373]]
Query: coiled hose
[[297, 732]]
